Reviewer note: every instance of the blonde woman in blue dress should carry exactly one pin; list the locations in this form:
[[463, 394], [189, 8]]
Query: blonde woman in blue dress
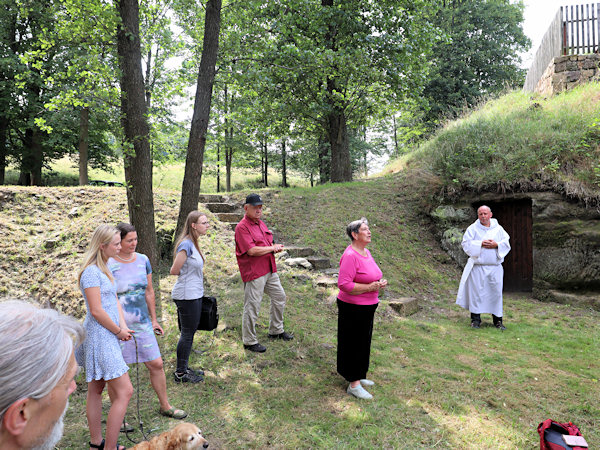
[[100, 353]]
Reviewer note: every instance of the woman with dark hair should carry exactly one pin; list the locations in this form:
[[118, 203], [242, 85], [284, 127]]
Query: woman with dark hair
[[133, 275], [187, 293], [359, 281]]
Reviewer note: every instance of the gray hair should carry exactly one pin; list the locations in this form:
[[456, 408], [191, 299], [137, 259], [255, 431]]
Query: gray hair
[[35, 350], [353, 227]]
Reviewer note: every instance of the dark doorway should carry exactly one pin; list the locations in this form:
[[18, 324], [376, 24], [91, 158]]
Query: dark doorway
[[515, 218]]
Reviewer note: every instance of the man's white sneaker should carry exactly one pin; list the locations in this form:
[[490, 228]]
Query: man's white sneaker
[[359, 392], [365, 382]]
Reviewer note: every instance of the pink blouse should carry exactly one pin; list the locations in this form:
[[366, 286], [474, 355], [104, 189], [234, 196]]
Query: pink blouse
[[355, 268]]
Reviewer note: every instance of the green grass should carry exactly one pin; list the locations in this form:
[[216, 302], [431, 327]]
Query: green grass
[[440, 384], [64, 172], [518, 142]]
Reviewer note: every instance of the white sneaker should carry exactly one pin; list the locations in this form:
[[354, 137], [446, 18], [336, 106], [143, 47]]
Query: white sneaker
[[359, 392], [365, 382]]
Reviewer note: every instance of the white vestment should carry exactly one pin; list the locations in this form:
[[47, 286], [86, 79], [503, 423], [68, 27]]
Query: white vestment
[[480, 289]]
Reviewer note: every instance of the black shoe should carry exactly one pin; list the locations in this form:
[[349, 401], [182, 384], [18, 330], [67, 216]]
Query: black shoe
[[285, 336], [258, 348], [475, 324], [187, 377], [498, 322], [198, 373]]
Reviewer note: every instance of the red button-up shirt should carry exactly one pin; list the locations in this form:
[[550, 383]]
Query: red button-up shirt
[[250, 234]]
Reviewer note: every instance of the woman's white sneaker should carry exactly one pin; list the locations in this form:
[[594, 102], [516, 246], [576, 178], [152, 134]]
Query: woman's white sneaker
[[359, 392], [365, 382]]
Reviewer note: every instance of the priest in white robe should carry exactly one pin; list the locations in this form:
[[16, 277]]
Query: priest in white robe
[[480, 290]]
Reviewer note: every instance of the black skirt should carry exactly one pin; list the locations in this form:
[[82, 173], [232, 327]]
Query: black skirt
[[355, 329]]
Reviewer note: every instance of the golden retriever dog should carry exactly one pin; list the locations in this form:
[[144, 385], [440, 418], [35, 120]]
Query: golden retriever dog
[[185, 436]]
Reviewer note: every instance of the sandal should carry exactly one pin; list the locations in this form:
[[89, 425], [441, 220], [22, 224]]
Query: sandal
[[99, 446], [173, 413]]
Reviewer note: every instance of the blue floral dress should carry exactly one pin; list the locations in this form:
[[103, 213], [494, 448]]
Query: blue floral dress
[[132, 280], [100, 354]]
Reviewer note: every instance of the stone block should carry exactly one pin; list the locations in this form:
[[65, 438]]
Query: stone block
[[319, 262], [405, 306], [587, 74], [448, 214], [210, 198], [560, 59], [572, 65], [221, 207], [574, 75], [230, 217], [560, 67], [325, 281], [299, 252], [49, 244], [298, 262], [590, 64]]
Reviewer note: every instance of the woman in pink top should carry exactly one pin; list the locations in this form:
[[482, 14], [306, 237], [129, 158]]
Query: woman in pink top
[[359, 282]]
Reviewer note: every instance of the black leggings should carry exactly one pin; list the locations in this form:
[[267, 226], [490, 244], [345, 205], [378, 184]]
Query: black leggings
[[188, 315]]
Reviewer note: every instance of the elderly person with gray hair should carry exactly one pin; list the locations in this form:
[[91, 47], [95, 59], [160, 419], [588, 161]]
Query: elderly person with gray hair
[[37, 371], [359, 281]]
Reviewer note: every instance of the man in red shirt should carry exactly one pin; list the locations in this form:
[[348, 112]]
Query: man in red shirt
[[255, 253]]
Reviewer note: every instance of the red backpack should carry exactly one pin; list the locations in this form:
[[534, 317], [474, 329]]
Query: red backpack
[[551, 435]]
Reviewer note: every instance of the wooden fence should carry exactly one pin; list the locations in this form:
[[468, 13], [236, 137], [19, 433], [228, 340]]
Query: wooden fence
[[575, 30]]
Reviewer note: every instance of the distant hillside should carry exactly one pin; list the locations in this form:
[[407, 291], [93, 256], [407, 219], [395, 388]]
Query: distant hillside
[[519, 142]]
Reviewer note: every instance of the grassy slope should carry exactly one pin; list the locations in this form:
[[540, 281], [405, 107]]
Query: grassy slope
[[439, 383], [519, 142]]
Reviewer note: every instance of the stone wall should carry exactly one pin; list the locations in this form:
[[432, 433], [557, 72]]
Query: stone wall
[[566, 244], [566, 72]]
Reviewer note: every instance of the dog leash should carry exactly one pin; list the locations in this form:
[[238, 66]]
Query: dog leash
[[139, 416]]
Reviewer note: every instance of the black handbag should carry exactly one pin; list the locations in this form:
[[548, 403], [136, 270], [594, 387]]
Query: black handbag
[[209, 319]]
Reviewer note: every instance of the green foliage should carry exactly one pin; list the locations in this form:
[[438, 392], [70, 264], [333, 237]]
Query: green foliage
[[480, 55]]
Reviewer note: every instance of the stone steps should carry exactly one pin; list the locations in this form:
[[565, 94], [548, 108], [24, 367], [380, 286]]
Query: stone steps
[[230, 217], [230, 214], [210, 198], [221, 207], [299, 252]]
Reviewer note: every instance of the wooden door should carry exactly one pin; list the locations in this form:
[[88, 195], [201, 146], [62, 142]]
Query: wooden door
[[515, 218]]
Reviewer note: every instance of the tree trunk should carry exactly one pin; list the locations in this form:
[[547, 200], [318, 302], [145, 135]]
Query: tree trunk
[[218, 168], [136, 148], [397, 150], [228, 136], [266, 157], [206, 75], [3, 140], [84, 128], [324, 161], [283, 164], [32, 159], [337, 132], [228, 157], [37, 153], [147, 87]]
